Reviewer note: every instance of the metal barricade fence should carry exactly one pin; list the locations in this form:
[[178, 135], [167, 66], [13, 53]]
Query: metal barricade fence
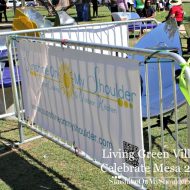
[[113, 33], [162, 158]]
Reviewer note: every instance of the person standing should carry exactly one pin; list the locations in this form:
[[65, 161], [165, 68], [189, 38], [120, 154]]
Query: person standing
[[139, 5], [3, 8], [113, 7], [95, 8], [130, 5], [176, 11], [122, 5]]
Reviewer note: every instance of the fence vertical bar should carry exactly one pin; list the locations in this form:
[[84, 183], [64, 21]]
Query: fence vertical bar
[[188, 128], [176, 123], [14, 87], [187, 77], [161, 119], [149, 127]]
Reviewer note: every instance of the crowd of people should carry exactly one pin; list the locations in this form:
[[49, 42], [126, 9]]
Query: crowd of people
[[145, 8], [148, 8]]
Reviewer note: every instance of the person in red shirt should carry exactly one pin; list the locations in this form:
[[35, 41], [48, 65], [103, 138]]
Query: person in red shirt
[[176, 11]]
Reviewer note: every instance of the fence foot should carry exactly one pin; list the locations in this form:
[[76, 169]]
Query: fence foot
[[21, 133]]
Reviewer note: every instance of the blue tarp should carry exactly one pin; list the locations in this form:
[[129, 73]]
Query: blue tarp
[[7, 77]]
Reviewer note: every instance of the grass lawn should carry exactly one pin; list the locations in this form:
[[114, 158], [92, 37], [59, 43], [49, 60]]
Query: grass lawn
[[41, 164]]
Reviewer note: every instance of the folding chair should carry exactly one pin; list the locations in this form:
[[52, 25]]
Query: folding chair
[[122, 16]]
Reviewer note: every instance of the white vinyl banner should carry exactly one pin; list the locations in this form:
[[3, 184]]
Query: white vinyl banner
[[89, 100]]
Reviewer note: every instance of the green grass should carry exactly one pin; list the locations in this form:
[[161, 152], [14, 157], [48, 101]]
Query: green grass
[[41, 164]]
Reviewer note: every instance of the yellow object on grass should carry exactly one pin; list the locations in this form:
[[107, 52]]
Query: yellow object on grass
[[22, 22]]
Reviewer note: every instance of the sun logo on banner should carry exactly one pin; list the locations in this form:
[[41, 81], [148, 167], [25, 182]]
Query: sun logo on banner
[[66, 80]]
